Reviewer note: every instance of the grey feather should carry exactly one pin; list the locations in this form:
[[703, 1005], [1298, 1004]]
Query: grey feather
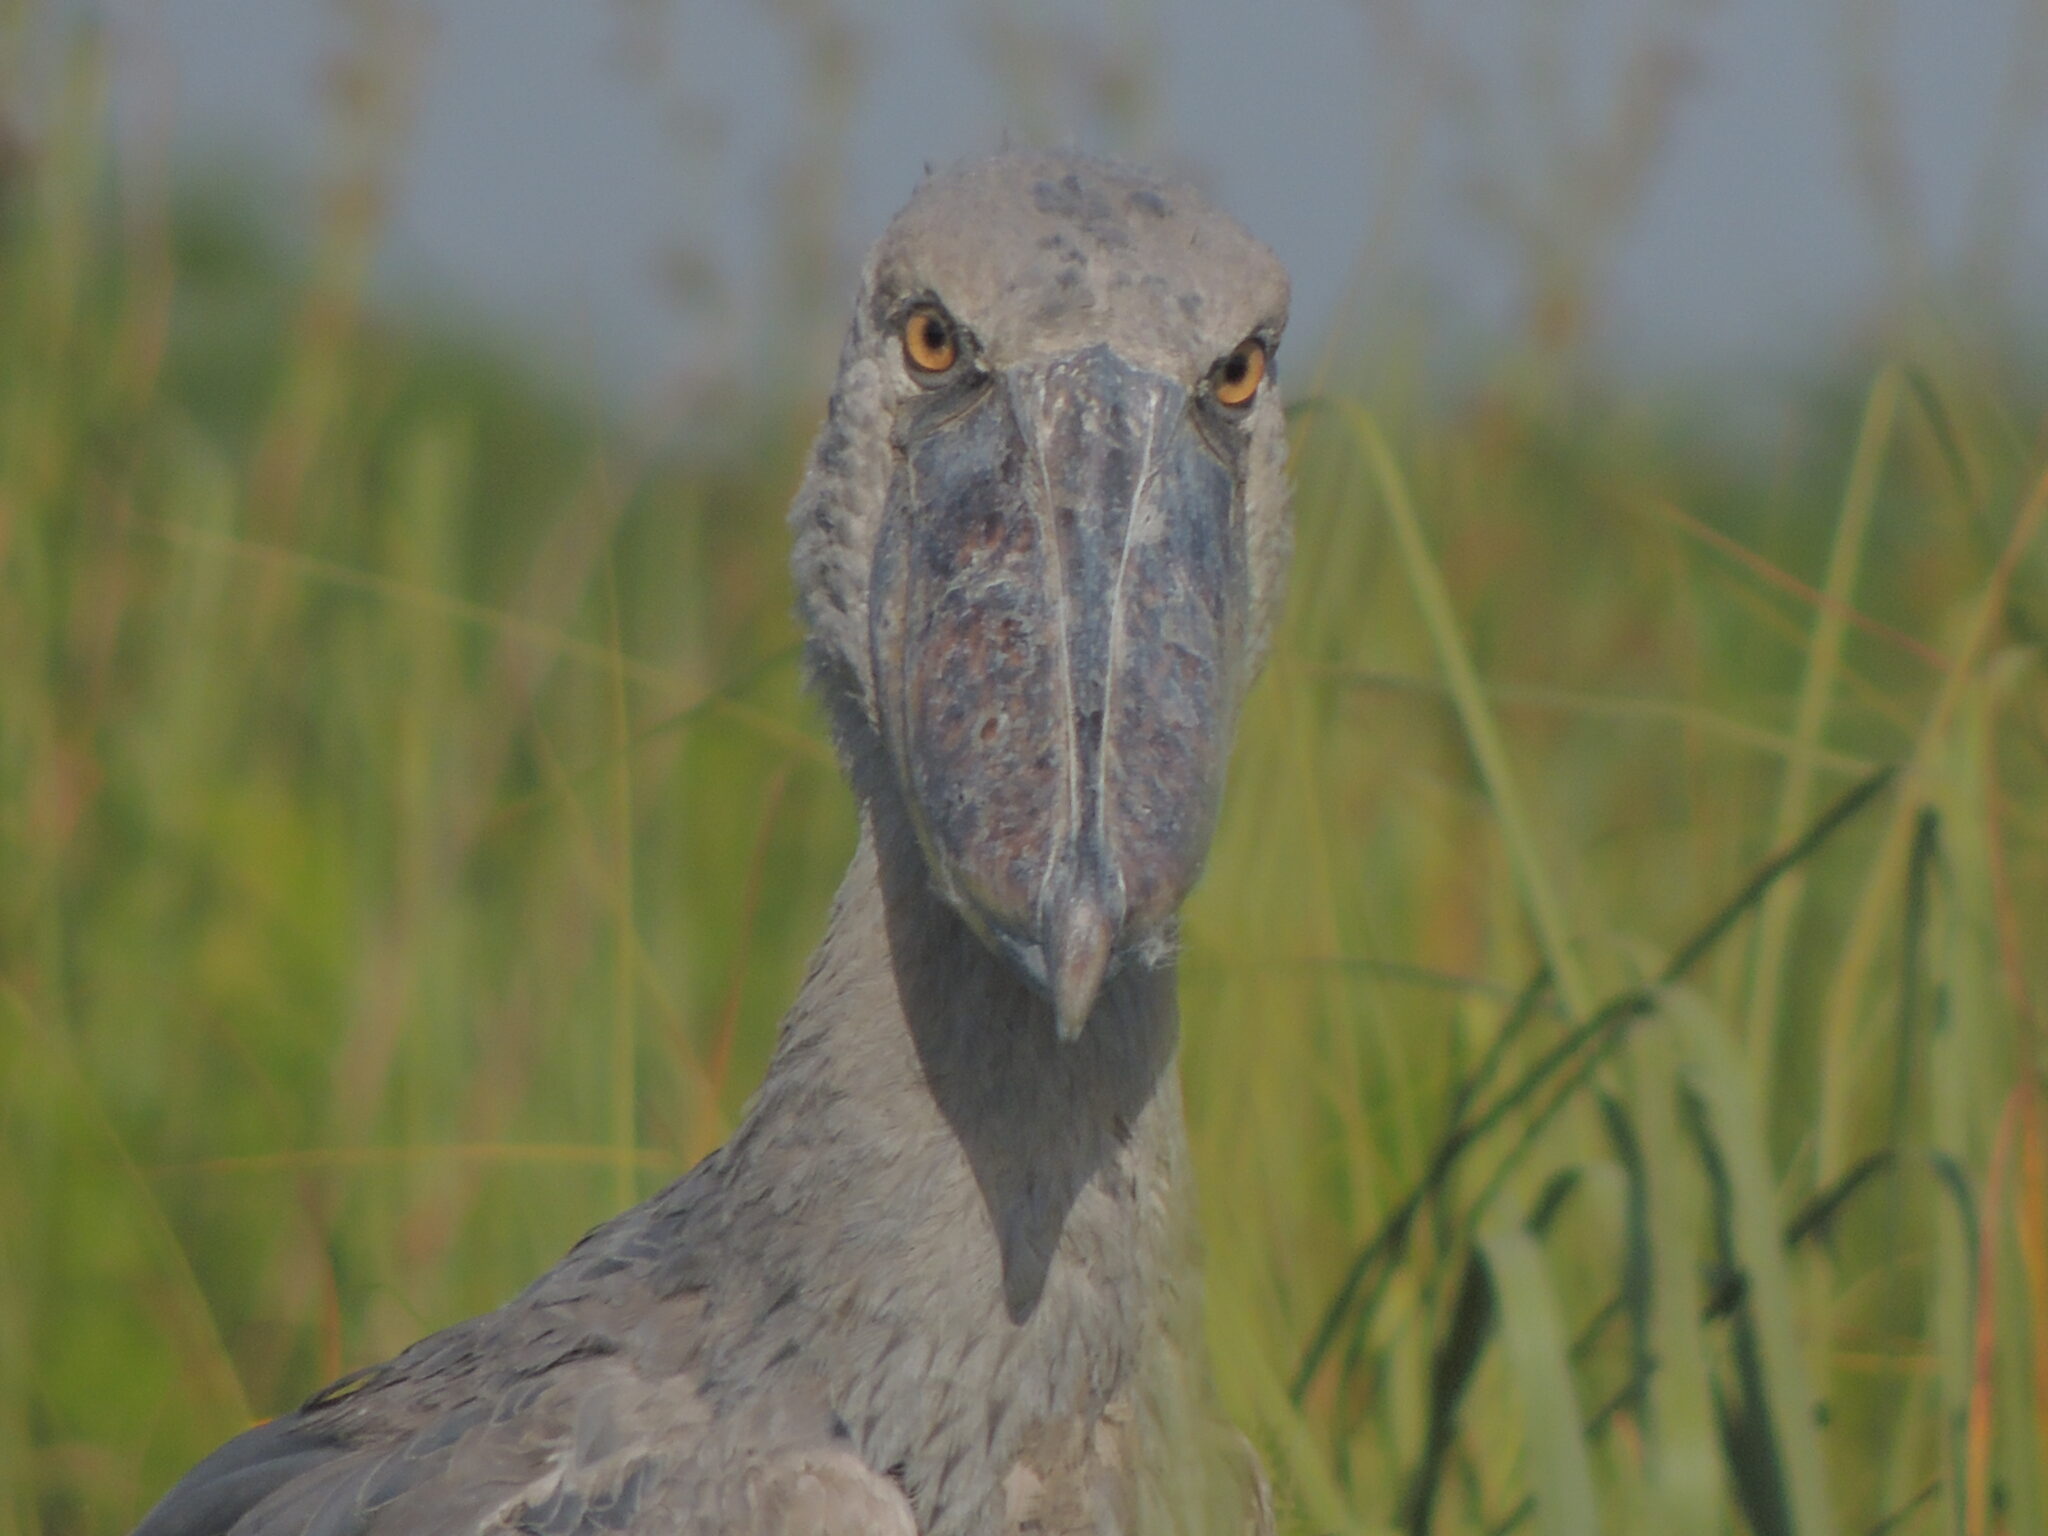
[[941, 1280]]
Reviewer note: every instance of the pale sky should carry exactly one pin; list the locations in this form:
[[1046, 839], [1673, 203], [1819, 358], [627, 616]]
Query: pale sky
[[567, 154]]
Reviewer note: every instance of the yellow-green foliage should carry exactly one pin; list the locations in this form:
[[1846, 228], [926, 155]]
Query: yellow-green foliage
[[1616, 1095]]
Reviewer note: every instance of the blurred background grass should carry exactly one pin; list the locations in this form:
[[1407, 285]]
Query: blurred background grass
[[1613, 1056]]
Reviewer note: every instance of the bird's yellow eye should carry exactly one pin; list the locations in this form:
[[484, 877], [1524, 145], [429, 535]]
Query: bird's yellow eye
[[1237, 377], [929, 345]]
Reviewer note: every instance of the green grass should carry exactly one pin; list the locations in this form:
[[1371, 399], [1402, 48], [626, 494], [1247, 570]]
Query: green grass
[[1612, 1041]]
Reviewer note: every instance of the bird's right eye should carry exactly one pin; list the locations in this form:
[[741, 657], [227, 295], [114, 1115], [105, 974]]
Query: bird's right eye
[[930, 345]]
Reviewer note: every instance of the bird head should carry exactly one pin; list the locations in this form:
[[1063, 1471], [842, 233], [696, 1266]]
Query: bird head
[[1042, 541]]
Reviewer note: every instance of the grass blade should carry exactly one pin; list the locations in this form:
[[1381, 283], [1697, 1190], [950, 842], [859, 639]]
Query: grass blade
[[1816, 692], [1583, 1050], [1532, 1331], [1685, 1466], [1843, 1006], [1425, 580], [1734, 1145]]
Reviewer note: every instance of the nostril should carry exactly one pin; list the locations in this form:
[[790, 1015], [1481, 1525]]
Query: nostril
[[990, 727]]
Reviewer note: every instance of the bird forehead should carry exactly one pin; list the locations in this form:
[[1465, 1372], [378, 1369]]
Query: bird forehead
[[1038, 253]]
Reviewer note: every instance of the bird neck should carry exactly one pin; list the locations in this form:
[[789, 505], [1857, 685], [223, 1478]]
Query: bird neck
[[967, 1232], [946, 1074]]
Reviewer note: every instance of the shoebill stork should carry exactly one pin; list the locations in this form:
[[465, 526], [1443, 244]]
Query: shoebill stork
[[940, 1280]]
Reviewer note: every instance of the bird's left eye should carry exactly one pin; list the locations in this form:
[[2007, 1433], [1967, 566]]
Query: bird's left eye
[[1236, 379], [930, 345]]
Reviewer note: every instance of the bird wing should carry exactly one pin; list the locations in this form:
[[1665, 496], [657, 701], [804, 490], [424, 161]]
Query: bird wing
[[578, 1409], [404, 1445], [590, 1449]]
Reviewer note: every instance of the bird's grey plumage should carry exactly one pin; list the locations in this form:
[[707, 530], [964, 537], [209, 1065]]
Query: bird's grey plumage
[[941, 1278]]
